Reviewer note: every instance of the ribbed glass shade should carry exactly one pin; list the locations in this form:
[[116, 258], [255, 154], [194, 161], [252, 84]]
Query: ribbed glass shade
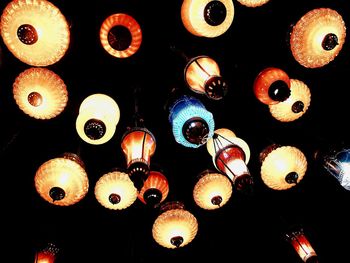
[[212, 190], [283, 167], [35, 31], [253, 3], [207, 18], [295, 106], [40, 93], [120, 35], [115, 190], [155, 189], [47, 255], [174, 228], [317, 38], [301, 245], [98, 117], [62, 181]]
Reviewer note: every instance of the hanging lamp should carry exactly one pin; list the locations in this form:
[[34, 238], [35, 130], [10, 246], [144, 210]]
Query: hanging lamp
[[47, 255], [253, 3]]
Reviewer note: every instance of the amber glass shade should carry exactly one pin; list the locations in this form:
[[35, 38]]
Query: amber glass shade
[[40, 93], [295, 106], [302, 245], [207, 18], [35, 31], [212, 190], [317, 38], [175, 227], [120, 35], [253, 3], [98, 117], [282, 167], [62, 181], [47, 255], [115, 190]]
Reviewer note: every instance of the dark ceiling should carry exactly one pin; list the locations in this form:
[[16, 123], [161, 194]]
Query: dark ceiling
[[247, 228]]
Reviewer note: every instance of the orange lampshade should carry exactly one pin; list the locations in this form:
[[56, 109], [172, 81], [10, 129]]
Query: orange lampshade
[[120, 35], [207, 18], [62, 181], [253, 3], [47, 255], [40, 93], [317, 38], [35, 31]]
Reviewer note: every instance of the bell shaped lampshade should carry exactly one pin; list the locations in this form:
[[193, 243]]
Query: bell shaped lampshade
[[155, 189], [202, 75], [271, 86], [192, 124], [207, 18], [212, 190], [40, 93], [175, 227], [63, 180], [114, 190], [98, 117], [120, 35], [138, 145], [47, 255], [282, 167], [318, 37], [253, 3], [295, 105], [35, 31]]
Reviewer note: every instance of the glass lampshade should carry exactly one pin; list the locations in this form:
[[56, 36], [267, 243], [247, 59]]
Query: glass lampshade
[[120, 35], [40, 93], [47, 255], [115, 190], [253, 3], [62, 181], [207, 18], [212, 190], [98, 117], [202, 75], [35, 31], [317, 38], [282, 166], [175, 227]]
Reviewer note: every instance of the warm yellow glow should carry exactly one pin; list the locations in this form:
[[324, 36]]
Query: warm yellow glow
[[52, 30], [155, 180], [233, 168], [192, 15], [115, 183], [281, 162], [253, 3], [310, 31], [222, 132], [295, 106], [51, 92]]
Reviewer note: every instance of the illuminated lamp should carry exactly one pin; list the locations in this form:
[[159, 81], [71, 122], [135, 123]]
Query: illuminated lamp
[[317, 38], [35, 31], [207, 18], [223, 137], [120, 35], [47, 255], [63, 180], [253, 3]]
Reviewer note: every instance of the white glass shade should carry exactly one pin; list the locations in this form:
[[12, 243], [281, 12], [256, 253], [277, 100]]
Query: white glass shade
[[40, 93], [98, 117], [115, 190], [62, 181], [253, 3], [295, 106], [212, 190], [223, 137], [302, 245], [317, 38], [35, 31], [207, 18], [155, 189]]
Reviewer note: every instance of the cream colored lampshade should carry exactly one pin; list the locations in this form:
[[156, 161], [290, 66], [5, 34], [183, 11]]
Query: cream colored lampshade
[[253, 3], [62, 181], [207, 18], [40, 93], [120, 35], [98, 117], [35, 31], [115, 190], [295, 106], [212, 190], [222, 137], [317, 38], [175, 227]]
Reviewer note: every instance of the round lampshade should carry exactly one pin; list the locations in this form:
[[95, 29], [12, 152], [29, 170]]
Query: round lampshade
[[317, 38], [221, 138], [35, 31], [120, 35], [115, 190], [253, 3], [40, 93], [207, 18], [62, 181], [295, 106]]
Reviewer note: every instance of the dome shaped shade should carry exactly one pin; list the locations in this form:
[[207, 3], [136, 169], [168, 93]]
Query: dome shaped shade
[[155, 180], [253, 3]]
